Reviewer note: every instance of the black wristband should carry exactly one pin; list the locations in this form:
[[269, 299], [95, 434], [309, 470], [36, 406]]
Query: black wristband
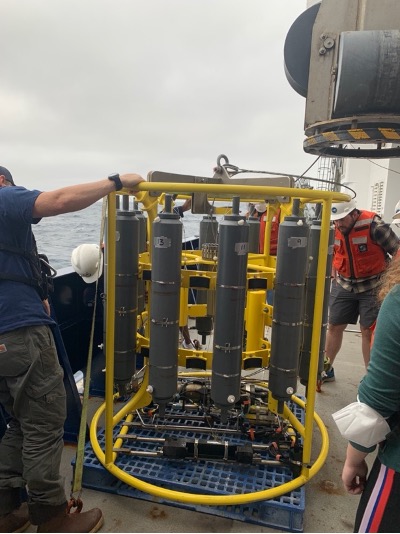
[[117, 180]]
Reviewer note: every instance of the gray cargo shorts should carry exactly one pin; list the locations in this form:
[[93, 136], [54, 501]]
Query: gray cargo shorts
[[346, 306], [32, 392]]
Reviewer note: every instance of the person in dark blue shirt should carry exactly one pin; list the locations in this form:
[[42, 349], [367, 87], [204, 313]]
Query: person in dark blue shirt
[[31, 378]]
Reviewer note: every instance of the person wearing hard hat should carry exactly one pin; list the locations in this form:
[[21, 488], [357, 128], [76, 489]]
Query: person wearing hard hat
[[259, 210], [31, 378], [364, 244], [87, 261], [396, 214]]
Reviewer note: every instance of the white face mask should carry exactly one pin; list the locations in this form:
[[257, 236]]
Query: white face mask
[[360, 423]]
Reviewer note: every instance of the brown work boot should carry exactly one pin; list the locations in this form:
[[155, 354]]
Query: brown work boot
[[90, 521], [16, 521]]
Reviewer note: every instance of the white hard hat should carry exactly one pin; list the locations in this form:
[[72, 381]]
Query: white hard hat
[[87, 261], [396, 215], [261, 207], [341, 209]]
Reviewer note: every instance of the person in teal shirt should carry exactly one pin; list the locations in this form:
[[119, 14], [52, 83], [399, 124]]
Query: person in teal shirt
[[379, 507]]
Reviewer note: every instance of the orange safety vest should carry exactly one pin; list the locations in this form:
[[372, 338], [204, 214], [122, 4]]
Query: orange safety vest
[[356, 255], [274, 233]]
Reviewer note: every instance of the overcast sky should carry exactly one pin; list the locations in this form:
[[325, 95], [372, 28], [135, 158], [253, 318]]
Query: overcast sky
[[91, 87]]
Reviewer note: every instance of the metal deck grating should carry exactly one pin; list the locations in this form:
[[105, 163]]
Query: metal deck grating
[[203, 476]]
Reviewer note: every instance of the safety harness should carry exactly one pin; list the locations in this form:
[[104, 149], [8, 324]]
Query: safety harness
[[42, 272]]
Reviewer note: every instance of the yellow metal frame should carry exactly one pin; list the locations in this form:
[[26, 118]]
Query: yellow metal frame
[[142, 398]]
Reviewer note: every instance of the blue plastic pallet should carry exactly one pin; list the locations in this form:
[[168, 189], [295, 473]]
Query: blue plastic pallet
[[203, 476]]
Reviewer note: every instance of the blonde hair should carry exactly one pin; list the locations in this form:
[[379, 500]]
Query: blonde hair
[[390, 279]]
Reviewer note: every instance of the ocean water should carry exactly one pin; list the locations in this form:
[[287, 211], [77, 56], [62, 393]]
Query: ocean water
[[58, 236]]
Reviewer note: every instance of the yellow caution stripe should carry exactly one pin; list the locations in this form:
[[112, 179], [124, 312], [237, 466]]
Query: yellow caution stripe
[[325, 142]]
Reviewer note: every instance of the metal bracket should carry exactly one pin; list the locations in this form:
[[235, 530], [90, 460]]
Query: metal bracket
[[223, 174]]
